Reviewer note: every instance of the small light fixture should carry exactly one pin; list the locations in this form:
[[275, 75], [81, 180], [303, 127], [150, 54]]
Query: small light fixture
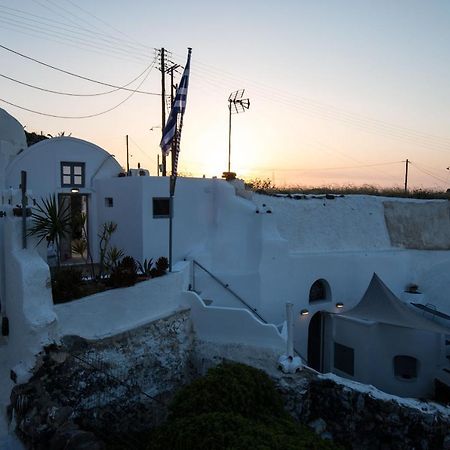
[[339, 305], [304, 312], [74, 190]]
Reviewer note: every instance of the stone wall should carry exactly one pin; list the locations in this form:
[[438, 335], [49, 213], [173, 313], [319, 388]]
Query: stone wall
[[361, 420], [110, 385], [121, 386]]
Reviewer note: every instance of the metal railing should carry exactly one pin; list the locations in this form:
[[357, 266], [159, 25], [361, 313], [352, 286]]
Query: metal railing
[[227, 287], [237, 296]]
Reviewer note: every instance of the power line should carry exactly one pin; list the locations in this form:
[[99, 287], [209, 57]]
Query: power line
[[110, 26], [77, 75], [81, 42], [109, 43], [429, 174], [72, 94], [77, 117]]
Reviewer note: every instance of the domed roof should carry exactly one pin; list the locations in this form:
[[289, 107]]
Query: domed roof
[[12, 131]]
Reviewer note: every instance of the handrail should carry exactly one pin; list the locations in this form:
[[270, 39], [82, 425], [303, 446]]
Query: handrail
[[253, 310], [224, 285]]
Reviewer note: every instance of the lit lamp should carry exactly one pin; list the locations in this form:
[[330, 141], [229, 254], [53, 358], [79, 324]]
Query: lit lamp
[[74, 190], [304, 312], [339, 305]]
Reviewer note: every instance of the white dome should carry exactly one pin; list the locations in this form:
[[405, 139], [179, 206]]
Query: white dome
[[12, 131]]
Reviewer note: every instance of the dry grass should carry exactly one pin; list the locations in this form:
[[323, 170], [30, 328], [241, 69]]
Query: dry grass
[[266, 187]]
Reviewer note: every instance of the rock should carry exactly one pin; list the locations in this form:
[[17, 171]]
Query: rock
[[319, 426], [446, 443]]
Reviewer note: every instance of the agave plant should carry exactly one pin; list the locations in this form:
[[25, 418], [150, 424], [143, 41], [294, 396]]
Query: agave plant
[[51, 223]]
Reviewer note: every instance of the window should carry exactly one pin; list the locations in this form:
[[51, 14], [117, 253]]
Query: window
[[405, 367], [109, 202], [72, 174], [320, 290], [161, 207], [344, 359]]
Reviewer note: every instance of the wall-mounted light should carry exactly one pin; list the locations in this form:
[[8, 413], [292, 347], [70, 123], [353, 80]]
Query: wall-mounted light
[[339, 305], [304, 312], [74, 190]]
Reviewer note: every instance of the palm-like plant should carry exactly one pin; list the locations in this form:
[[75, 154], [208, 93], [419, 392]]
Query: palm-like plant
[[51, 223]]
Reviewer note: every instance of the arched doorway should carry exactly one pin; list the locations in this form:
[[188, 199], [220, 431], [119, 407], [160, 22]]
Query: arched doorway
[[315, 341]]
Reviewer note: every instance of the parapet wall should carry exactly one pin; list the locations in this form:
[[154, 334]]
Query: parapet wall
[[358, 222]]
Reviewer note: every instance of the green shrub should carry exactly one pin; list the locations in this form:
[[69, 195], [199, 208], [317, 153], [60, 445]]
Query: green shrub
[[66, 284], [233, 407], [125, 273], [219, 431], [161, 265], [229, 388]]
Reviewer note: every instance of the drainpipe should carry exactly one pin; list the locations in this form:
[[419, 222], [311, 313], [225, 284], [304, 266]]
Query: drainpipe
[[290, 330]]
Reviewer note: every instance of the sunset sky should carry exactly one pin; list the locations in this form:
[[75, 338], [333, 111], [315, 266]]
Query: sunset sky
[[341, 92]]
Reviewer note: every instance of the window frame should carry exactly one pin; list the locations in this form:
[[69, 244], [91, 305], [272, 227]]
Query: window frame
[[72, 165], [159, 199]]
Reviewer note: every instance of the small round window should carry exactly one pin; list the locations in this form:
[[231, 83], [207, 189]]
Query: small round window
[[320, 291]]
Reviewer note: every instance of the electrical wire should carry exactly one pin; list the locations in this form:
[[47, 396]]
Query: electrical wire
[[77, 75], [88, 44], [77, 117], [109, 43], [429, 174], [72, 94], [117, 30]]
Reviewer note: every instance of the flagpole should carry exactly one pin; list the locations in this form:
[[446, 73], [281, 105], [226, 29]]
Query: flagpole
[[173, 180], [171, 140]]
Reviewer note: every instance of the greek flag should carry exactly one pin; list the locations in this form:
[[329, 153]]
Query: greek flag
[[178, 107]]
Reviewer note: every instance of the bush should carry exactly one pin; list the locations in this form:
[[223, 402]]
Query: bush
[[125, 273], [66, 284], [162, 264], [229, 388], [233, 407], [219, 431]]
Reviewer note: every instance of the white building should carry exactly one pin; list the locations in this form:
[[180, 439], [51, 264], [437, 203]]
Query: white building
[[257, 253]]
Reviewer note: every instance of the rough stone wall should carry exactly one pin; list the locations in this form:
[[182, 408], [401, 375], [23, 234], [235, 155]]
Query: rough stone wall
[[360, 421], [421, 226], [120, 386], [110, 385]]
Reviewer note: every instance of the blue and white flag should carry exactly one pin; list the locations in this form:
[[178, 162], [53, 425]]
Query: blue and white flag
[[178, 107]]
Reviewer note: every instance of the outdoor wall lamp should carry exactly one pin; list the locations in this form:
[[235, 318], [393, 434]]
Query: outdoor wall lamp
[[304, 312], [339, 305], [74, 190]]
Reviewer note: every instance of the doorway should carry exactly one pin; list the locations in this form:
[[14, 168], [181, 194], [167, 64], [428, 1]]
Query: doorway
[[315, 341], [73, 246]]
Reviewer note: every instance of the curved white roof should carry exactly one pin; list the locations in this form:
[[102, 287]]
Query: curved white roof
[[12, 131]]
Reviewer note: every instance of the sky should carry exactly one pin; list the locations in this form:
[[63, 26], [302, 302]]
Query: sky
[[341, 92]]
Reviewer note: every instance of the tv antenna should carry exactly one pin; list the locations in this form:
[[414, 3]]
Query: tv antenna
[[236, 105]]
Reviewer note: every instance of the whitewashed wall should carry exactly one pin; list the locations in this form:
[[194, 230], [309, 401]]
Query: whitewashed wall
[[375, 346]]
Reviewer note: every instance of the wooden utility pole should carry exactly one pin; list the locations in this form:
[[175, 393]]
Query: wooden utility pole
[[128, 157], [406, 175], [163, 104]]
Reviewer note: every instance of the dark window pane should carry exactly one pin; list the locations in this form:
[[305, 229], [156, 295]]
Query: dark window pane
[[405, 367], [161, 207], [344, 359]]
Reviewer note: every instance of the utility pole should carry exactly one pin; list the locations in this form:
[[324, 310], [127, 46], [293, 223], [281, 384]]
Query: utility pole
[[163, 104], [406, 175], [128, 158]]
